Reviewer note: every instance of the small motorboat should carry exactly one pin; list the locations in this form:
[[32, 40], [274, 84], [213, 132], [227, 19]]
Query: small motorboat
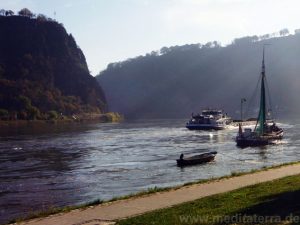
[[196, 159]]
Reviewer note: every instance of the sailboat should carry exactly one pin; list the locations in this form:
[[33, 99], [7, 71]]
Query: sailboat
[[263, 133]]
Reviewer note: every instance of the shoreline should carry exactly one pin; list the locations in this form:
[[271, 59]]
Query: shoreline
[[110, 117], [74, 211]]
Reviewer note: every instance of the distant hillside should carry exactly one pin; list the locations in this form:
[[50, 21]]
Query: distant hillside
[[42, 69], [182, 79]]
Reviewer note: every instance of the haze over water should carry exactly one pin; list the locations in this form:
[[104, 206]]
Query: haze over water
[[58, 165]]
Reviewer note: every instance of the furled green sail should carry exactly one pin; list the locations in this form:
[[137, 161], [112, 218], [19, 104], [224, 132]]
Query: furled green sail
[[262, 108]]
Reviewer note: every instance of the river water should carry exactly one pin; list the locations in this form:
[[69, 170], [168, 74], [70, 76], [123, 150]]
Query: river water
[[57, 165]]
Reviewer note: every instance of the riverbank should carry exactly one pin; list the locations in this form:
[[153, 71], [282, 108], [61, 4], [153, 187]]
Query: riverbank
[[144, 203], [110, 117], [273, 202]]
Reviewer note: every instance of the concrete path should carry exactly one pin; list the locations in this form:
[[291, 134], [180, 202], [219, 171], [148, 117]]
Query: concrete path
[[109, 212]]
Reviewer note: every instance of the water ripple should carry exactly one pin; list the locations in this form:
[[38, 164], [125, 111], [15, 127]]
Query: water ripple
[[42, 167]]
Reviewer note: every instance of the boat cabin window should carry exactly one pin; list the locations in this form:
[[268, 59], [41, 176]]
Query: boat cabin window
[[214, 113]]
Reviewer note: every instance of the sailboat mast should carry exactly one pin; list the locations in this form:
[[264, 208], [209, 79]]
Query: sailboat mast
[[262, 108]]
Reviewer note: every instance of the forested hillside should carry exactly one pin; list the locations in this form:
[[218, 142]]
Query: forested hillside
[[178, 80], [43, 70]]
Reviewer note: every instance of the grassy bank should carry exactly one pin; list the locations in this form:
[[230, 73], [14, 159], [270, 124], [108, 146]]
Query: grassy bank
[[275, 202], [54, 210]]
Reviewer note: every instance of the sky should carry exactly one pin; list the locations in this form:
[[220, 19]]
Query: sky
[[114, 30]]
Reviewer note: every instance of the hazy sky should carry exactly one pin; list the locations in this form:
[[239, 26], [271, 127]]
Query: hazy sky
[[114, 30]]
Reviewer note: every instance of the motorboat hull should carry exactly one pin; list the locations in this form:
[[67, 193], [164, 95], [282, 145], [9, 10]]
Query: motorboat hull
[[204, 127]]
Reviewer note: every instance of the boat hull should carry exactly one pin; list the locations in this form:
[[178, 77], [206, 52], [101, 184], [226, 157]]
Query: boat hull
[[251, 143], [258, 141], [189, 162], [204, 127]]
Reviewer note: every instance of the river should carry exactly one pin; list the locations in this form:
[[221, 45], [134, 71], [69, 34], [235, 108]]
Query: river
[[58, 165]]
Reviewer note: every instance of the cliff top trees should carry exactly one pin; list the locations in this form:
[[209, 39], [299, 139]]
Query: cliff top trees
[[25, 12], [9, 13], [4, 12]]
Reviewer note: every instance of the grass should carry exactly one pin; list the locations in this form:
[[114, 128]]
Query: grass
[[55, 210], [274, 202]]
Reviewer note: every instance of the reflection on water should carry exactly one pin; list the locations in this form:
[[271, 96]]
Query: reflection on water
[[55, 165]]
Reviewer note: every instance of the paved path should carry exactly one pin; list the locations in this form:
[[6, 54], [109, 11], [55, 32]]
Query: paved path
[[97, 215]]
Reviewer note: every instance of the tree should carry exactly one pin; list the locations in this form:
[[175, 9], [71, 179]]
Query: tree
[[25, 12], [154, 53], [33, 113], [24, 102], [23, 115], [164, 50], [9, 13], [3, 114], [264, 37], [52, 115], [2, 12], [208, 45], [297, 31], [284, 32], [245, 40], [41, 17], [216, 44]]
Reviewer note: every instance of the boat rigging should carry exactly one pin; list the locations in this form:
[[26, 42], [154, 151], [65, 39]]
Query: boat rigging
[[263, 133]]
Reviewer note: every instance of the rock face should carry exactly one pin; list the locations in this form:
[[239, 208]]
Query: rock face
[[42, 69], [179, 80]]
